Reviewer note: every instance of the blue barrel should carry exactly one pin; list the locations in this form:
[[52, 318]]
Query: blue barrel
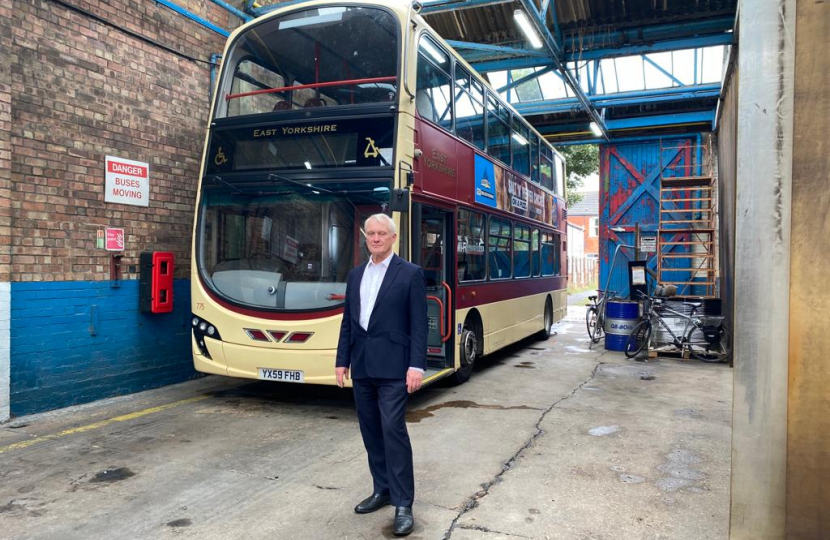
[[620, 320]]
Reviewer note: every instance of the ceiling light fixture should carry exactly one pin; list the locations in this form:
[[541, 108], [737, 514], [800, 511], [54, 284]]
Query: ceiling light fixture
[[527, 29]]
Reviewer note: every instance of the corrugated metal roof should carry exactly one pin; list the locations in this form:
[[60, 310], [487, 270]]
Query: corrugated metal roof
[[493, 24]]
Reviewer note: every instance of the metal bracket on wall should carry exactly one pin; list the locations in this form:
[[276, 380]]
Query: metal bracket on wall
[[93, 320], [115, 270]]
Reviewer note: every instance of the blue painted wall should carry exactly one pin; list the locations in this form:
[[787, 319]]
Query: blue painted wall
[[56, 362]]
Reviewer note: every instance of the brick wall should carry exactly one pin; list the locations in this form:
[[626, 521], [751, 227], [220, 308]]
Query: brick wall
[[77, 90], [82, 90]]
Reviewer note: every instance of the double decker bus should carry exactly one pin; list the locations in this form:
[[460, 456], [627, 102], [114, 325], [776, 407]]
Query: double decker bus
[[326, 113]]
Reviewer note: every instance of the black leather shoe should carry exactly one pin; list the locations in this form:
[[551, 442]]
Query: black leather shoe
[[403, 521], [376, 501]]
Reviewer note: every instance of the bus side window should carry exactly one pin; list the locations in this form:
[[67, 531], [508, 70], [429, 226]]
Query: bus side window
[[470, 248], [499, 241], [433, 88]]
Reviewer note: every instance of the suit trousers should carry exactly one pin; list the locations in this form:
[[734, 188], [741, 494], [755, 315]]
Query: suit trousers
[[381, 412]]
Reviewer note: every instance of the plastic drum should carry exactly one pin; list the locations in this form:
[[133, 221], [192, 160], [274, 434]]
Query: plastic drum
[[620, 319]]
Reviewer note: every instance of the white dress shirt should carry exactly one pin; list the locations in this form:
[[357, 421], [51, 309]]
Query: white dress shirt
[[369, 287]]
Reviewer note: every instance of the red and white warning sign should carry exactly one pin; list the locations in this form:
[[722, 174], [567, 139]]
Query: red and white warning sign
[[115, 239], [128, 182]]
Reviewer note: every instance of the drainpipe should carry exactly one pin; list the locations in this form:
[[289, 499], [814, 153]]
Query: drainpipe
[[193, 17]]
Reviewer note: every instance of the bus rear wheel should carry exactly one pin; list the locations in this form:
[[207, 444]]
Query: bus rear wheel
[[544, 333], [469, 354]]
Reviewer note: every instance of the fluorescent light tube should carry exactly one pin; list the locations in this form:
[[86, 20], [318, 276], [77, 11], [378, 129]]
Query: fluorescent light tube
[[527, 29]]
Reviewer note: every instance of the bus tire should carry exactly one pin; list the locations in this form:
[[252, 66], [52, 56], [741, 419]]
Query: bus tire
[[545, 332], [469, 354]]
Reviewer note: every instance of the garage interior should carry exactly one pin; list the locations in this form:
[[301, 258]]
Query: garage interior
[[92, 393]]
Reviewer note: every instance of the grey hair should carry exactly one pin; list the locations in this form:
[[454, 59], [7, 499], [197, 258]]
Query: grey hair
[[383, 219]]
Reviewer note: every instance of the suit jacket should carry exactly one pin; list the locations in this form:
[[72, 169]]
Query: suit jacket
[[396, 338]]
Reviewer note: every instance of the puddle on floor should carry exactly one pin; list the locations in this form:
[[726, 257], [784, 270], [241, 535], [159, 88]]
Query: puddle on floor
[[112, 475], [678, 473], [417, 415], [526, 365]]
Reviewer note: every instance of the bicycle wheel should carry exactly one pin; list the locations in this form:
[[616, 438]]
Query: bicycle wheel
[[637, 339], [704, 351], [592, 322]]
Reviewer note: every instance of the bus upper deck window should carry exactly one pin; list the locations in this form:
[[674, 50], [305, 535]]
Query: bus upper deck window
[[338, 56]]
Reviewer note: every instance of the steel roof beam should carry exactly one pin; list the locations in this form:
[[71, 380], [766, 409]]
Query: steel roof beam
[[553, 49], [662, 120], [656, 32], [659, 46], [662, 70], [543, 10], [440, 6], [495, 50], [527, 78], [621, 99], [484, 65], [704, 118]]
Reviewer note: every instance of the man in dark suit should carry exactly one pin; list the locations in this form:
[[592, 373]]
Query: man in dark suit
[[383, 342]]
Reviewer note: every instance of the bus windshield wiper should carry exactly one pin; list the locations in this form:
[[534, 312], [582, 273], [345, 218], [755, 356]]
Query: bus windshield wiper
[[236, 190], [316, 189]]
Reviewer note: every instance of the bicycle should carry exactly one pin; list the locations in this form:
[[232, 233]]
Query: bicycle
[[704, 336], [595, 316]]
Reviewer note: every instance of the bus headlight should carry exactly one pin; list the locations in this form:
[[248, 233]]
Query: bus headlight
[[201, 330]]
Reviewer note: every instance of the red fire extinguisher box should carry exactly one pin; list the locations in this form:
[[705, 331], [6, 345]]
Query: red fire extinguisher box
[[155, 290]]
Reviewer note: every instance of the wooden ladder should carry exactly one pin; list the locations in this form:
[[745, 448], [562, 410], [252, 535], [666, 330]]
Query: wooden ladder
[[686, 241]]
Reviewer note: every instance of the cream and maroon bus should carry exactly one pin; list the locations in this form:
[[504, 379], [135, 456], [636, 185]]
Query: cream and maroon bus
[[328, 112]]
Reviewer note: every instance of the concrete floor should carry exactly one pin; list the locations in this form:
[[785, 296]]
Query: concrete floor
[[548, 440]]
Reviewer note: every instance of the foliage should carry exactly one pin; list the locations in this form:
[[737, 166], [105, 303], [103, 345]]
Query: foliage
[[581, 161]]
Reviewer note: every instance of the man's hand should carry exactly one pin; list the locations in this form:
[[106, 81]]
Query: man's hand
[[342, 374], [413, 380]]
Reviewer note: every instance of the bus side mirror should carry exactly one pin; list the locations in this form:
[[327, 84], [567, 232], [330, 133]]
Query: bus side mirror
[[400, 200]]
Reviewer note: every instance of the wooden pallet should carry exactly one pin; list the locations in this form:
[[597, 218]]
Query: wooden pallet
[[669, 351]]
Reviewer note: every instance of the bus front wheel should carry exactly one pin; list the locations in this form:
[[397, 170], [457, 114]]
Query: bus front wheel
[[469, 354]]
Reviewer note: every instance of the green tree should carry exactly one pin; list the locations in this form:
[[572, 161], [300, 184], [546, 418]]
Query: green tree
[[581, 161]]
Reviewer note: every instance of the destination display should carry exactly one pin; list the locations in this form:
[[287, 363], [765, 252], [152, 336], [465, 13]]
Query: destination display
[[308, 145], [498, 188]]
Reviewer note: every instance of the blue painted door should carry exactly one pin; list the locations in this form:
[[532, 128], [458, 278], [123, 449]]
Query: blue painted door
[[629, 193]]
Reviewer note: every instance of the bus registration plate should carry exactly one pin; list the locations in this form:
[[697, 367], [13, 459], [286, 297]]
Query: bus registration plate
[[284, 375]]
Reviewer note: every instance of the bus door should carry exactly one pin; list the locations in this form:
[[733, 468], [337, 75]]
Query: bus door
[[432, 250]]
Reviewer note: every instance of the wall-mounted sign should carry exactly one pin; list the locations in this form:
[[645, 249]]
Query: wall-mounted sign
[[115, 239], [648, 243], [127, 182], [99, 239]]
